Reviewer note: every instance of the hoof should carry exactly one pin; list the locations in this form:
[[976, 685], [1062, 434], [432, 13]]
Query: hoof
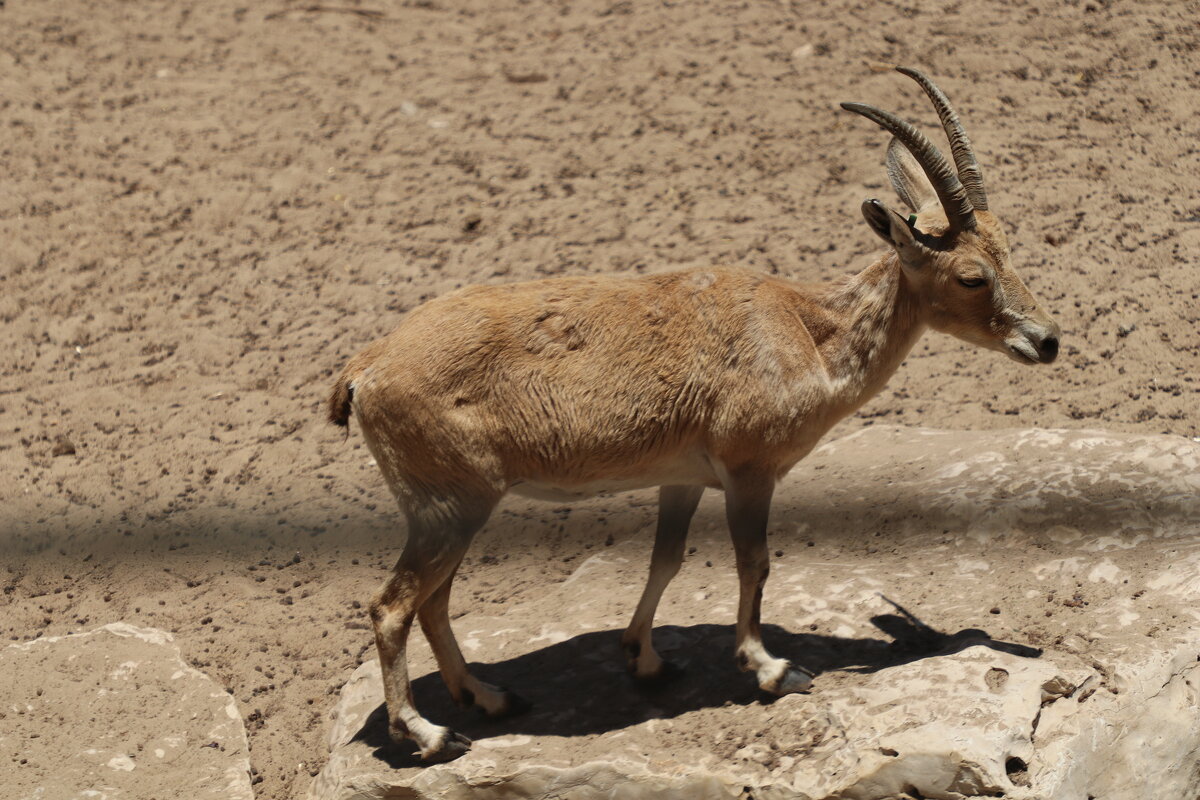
[[795, 679], [668, 673], [514, 705], [453, 744]]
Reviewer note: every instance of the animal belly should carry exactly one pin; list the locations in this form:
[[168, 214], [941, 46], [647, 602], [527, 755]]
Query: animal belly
[[683, 472]]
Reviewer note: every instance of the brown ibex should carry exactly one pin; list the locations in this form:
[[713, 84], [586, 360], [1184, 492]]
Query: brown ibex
[[717, 378]]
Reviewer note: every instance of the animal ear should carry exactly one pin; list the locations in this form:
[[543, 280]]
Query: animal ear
[[896, 231], [908, 178]]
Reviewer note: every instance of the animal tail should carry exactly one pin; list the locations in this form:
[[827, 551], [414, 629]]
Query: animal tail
[[339, 401]]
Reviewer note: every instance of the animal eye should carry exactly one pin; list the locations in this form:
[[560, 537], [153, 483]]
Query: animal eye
[[972, 283]]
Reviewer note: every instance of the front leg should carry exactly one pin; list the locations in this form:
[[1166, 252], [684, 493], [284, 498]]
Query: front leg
[[747, 506]]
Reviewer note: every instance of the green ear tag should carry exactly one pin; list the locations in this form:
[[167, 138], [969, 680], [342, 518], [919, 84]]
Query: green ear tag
[[912, 220]]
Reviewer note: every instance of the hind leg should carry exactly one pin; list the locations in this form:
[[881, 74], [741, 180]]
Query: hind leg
[[464, 687], [676, 505], [438, 536]]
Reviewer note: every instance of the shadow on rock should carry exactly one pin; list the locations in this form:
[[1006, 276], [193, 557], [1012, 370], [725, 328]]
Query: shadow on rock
[[579, 686], [913, 640]]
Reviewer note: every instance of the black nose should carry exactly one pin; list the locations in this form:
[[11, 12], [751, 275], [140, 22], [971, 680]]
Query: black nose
[[1048, 349]]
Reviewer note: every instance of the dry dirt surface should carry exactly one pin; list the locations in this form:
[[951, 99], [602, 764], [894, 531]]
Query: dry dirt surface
[[209, 207]]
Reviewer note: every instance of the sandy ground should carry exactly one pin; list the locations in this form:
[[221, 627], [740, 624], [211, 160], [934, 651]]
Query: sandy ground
[[208, 207]]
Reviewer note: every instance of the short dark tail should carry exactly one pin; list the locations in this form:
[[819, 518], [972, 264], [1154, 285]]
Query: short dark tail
[[339, 401]]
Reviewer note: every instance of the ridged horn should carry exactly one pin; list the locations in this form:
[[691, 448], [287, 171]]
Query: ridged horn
[[960, 146], [959, 211]]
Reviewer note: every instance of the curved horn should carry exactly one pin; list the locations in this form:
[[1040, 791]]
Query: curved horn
[[960, 145], [949, 188]]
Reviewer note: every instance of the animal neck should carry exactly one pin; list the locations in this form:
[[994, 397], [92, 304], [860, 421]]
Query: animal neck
[[878, 321]]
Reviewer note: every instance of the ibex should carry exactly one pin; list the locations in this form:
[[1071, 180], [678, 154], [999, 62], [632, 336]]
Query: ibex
[[705, 378]]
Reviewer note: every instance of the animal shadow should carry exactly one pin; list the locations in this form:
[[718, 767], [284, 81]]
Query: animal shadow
[[580, 687]]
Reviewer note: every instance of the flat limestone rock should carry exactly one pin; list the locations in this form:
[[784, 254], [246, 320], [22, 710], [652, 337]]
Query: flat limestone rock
[[1007, 613], [115, 714]]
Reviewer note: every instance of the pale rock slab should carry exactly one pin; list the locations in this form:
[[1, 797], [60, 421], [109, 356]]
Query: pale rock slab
[[1037, 592], [118, 716]]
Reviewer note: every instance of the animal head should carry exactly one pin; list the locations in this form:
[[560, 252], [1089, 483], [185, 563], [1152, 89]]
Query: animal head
[[952, 249]]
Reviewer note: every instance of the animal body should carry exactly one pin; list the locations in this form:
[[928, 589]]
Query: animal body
[[705, 378]]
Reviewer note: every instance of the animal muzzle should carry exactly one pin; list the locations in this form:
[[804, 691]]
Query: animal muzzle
[[1034, 343]]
